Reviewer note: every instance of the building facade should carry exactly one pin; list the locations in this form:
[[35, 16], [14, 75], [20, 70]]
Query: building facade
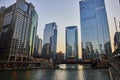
[[19, 21], [71, 43], [38, 46], [117, 40], [50, 41], [94, 29], [59, 56]]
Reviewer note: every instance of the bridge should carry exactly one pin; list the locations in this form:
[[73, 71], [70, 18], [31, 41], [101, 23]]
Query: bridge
[[23, 62], [43, 63], [5, 65], [93, 63], [74, 62], [114, 66]]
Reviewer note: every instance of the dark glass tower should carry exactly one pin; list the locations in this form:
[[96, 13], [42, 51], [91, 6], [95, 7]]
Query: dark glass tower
[[71, 43], [94, 29]]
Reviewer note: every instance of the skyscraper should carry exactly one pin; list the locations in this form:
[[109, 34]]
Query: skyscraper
[[94, 29], [50, 41], [38, 46], [117, 40], [71, 42], [19, 30]]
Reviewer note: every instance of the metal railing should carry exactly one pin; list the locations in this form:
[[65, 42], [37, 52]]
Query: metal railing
[[114, 67]]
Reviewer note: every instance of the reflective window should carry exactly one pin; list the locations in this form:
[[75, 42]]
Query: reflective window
[[50, 40], [71, 43], [33, 30]]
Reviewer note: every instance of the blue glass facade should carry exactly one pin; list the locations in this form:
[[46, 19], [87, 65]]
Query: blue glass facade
[[94, 29], [71, 43], [50, 41]]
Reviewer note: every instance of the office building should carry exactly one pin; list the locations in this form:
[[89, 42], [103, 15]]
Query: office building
[[18, 31], [38, 46], [71, 43], [94, 29], [59, 56], [117, 40], [50, 41]]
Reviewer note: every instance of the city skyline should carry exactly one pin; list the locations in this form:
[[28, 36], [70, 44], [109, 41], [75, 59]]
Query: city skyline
[[57, 13], [39, 38]]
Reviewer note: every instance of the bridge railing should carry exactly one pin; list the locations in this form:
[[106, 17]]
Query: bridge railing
[[114, 63]]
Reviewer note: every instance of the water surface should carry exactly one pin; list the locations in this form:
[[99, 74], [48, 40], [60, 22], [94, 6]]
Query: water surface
[[69, 72]]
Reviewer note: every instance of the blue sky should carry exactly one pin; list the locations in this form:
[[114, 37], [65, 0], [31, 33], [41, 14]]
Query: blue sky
[[66, 13]]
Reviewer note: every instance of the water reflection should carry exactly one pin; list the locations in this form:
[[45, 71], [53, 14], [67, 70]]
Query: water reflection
[[73, 72], [79, 73], [14, 75], [27, 74]]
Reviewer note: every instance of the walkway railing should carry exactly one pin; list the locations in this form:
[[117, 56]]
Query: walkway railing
[[115, 66]]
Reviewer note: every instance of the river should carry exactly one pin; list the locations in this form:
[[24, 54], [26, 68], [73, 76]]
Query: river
[[66, 72]]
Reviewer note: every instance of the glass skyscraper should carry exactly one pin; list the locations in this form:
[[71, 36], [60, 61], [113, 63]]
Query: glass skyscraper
[[94, 29], [18, 30], [50, 41], [38, 46], [71, 43]]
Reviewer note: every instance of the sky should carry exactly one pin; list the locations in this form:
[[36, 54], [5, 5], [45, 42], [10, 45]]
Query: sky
[[66, 13]]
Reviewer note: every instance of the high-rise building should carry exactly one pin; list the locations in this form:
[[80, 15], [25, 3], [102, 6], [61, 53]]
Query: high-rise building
[[117, 40], [18, 31], [50, 41], [94, 29], [71, 42], [38, 46], [59, 56]]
